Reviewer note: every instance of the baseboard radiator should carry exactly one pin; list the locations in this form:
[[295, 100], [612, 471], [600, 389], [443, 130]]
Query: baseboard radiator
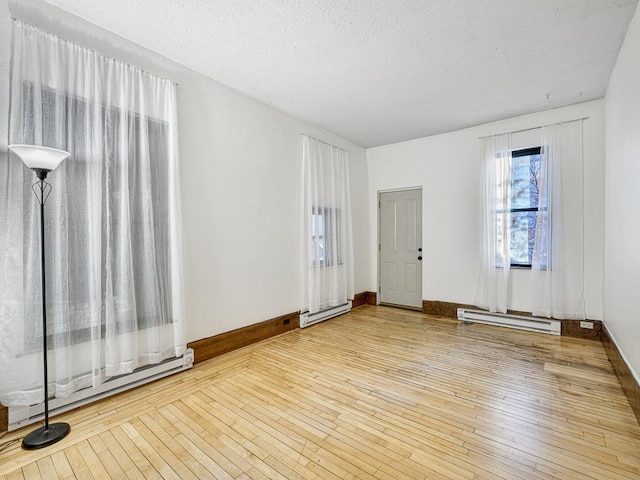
[[532, 324], [21, 416], [307, 319]]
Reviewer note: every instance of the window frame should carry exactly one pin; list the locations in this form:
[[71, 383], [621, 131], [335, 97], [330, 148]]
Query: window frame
[[522, 152]]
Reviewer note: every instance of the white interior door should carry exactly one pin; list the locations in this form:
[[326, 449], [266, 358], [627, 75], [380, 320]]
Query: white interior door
[[400, 249]]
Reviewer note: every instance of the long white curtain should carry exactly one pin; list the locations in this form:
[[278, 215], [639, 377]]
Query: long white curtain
[[493, 279], [326, 245], [114, 275], [557, 272]]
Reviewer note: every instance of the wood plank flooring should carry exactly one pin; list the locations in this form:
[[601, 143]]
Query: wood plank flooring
[[379, 393]]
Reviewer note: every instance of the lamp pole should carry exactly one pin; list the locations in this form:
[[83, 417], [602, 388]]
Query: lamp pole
[[41, 192], [42, 160]]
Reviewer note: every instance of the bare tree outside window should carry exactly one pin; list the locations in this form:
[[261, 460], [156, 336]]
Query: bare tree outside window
[[525, 205]]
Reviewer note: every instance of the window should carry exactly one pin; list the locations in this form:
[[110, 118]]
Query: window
[[144, 217], [525, 207], [325, 237], [113, 238]]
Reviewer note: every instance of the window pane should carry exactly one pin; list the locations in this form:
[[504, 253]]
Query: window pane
[[317, 224], [325, 236], [317, 250], [525, 174], [523, 230]]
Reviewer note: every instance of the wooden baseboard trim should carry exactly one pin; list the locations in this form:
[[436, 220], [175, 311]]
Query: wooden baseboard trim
[[359, 299], [569, 328], [572, 328], [364, 298], [629, 385], [442, 309], [4, 419], [226, 342], [371, 298]]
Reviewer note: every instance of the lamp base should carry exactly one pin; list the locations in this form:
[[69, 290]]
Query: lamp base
[[43, 437]]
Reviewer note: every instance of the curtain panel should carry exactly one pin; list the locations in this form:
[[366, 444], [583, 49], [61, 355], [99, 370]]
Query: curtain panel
[[495, 262], [113, 246], [326, 245], [557, 271]]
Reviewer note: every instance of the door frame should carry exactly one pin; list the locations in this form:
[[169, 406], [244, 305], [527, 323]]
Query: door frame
[[378, 251]]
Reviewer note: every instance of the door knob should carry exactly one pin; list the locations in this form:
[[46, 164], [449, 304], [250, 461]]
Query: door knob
[[420, 257]]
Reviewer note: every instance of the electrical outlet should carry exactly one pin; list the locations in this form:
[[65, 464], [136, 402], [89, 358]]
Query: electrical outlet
[[286, 321], [586, 325]]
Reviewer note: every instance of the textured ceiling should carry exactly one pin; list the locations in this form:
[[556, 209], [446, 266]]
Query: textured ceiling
[[382, 71]]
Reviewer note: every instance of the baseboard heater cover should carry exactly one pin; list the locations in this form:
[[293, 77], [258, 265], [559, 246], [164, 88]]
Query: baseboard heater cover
[[307, 319], [21, 416], [532, 324]]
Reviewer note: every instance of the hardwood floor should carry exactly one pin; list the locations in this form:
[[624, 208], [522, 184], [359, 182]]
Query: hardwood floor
[[377, 393]]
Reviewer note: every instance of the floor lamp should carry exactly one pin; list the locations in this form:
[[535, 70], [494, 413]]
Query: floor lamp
[[42, 160]]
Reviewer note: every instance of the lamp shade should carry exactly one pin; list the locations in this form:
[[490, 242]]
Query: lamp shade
[[37, 157]]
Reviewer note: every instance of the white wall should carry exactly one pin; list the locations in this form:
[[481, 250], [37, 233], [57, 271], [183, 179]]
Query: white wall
[[447, 167], [239, 175], [622, 204]]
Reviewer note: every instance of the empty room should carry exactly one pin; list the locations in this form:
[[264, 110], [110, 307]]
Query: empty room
[[319, 240]]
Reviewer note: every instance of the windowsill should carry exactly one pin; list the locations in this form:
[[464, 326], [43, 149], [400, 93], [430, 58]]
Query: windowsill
[[521, 267], [322, 265]]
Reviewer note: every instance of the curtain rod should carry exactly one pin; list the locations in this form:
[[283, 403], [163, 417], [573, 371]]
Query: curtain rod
[[534, 128], [326, 143], [14, 19]]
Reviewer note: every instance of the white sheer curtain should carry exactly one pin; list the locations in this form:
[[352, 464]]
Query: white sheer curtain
[[326, 246], [557, 272], [493, 279], [114, 276]]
